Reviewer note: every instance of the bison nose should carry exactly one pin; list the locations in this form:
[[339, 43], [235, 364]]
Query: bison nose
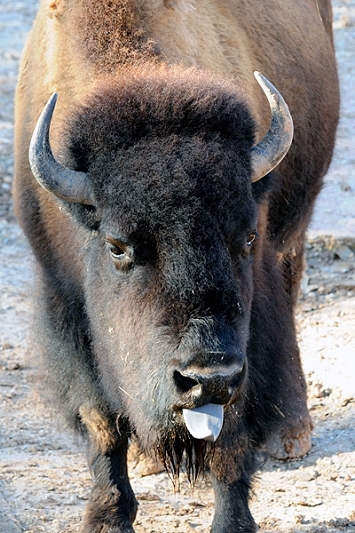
[[219, 384]]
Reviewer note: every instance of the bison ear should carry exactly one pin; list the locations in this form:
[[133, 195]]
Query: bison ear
[[274, 146], [57, 179]]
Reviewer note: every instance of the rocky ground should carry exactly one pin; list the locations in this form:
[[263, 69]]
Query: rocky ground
[[44, 482]]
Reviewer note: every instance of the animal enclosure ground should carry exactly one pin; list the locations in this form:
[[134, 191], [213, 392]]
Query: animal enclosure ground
[[44, 482]]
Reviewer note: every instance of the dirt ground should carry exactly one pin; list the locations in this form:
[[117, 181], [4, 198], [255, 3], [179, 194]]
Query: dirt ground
[[44, 482]]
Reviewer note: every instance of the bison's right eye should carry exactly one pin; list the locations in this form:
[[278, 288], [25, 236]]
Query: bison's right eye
[[117, 252], [121, 254]]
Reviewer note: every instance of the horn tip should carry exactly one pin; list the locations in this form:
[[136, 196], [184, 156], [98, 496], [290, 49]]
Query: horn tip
[[52, 100], [258, 76], [264, 82]]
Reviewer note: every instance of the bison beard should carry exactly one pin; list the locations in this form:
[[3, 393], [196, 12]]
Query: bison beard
[[177, 445]]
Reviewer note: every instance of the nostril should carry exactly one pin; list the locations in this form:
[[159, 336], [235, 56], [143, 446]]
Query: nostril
[[183, 383]]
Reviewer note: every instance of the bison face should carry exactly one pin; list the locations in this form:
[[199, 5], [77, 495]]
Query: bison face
[[169, 280]]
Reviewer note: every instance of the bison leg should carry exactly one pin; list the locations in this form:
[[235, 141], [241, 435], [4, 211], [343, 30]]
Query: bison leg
[[232, 513], [294, 437], [231, 484], [71, 376], [292, 263], [293, 440], [112, 506]]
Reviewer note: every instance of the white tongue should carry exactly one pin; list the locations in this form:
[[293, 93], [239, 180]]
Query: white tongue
[[204, 422]]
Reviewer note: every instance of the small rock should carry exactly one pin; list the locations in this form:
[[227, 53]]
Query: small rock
[[339, 522], [312, 475], [13, 366], [310, 502], [300, 519], [344, 253], [6, 346], [345, 21], [148, 496], [72, 500], [344, 185]]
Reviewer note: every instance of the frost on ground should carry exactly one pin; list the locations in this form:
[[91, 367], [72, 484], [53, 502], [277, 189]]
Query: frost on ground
[[44, 482]]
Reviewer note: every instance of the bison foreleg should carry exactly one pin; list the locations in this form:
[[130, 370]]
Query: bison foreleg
[[231, 470], [112, 506], [232, 513]]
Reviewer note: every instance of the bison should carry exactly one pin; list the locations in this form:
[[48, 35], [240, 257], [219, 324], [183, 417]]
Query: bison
[[168, 229]]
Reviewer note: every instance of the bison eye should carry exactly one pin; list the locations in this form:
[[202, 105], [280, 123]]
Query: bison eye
[[117, 252], [121, 254], [252, 237]]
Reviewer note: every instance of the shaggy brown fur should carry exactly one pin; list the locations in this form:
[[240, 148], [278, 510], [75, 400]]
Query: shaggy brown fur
[[114, 33], [158, 105]]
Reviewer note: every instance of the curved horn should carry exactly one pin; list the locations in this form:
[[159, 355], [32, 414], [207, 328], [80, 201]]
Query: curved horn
[[51, 175], [274, 146]]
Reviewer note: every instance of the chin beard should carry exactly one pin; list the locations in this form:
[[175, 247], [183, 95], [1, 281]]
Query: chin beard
[[178, 451]]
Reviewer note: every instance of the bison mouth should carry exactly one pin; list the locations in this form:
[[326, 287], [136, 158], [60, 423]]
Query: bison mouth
[[185, 434], [188, 444], [204, 422]]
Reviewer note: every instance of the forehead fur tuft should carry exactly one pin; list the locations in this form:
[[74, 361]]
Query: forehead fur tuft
[[155, 102]]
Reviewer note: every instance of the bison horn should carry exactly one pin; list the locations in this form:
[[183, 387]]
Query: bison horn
[[73, 186], [274, 146], [63, 182]]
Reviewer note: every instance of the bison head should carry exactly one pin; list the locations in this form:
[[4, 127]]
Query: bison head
[[162, 182]]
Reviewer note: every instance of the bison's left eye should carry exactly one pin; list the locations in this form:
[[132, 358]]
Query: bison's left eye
[[251, 238]]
